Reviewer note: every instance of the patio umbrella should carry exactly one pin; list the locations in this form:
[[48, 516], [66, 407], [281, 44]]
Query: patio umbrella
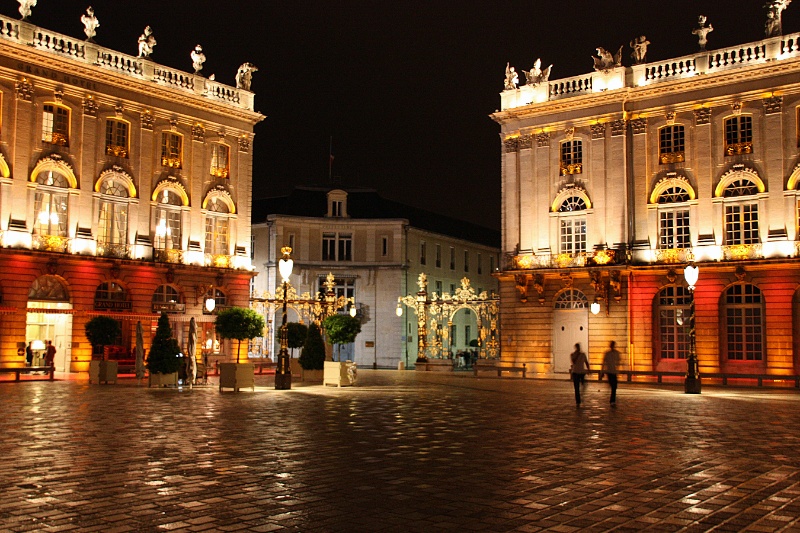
[[191, 361], [139, 350]]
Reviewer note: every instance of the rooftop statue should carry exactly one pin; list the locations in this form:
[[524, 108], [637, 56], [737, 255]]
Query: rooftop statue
[[639, 46], [606, 61], [245, 75], [536, 75], [90, 24], [512, 79], [198, 58], [775, 8], [146, 42], [25, 7], [702, 31]]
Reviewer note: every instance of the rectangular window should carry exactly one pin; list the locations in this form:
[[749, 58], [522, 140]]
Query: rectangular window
[[113, 223], [452, 258], [384, 246], [573, 235], [467, 334], [571, 157], [168, 229], [116, 138], [219, 160], [217, 235], [438, 256], [422, 253], [171, 150], [453, 336], [55, 125], [491, 263], [291, 241], [452, 288], [480, 265], [674, 229], [344, 287], [739, 135], [337, 208], [744, 333], [466, 260], [252, 247], [741, 224], [671, 145], [439, 287], [328, 246]]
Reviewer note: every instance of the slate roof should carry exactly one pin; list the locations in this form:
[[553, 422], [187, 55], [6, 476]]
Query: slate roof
[[367, 203]]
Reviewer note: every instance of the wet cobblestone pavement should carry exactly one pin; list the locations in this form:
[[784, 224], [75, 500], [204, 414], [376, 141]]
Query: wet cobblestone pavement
[[402, 451]]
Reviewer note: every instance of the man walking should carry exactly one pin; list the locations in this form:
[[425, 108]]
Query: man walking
[[610, 368], [578, 370]]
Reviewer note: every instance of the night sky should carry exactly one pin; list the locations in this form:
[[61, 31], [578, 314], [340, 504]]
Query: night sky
[[403, 88]]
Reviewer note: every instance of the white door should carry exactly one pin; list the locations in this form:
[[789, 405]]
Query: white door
[[570, 325]]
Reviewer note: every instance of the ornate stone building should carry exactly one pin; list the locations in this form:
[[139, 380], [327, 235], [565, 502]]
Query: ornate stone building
[[376, 249], [613, 181], [124, 190]]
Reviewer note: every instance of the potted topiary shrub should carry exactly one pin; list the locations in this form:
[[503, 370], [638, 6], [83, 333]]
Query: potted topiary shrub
[[340, 329], [102, 331], [164, 360], [240, 324], [312, 357]]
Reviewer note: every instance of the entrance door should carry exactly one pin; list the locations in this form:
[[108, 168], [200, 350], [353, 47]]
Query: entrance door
[[570, 325]]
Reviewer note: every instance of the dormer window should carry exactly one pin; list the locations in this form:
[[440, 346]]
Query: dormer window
[[337, 203]]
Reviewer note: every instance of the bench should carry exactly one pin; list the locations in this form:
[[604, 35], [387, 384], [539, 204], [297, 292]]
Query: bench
[[759, 378], [478, 367], [18, 371], [650, 373]]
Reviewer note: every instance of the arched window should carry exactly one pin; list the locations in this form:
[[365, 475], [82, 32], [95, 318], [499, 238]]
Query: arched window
[[743, 315], [217, 227], [168, 220], [48, 288], [671, 144], [673, 314], [741, 215], [219, 297], [110, 292], [51, 204], [112, 230], [572, 228], [571, 299], [673, 218]]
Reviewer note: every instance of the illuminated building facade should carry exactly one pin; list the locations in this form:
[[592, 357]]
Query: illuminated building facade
[[376, 249], [124, 191], [613, 181]]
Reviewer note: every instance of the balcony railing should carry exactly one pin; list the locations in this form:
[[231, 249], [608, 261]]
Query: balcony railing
[[672, 255], [117, 151], [671, 157], [739, 148], [50, 243], [168, 256], [119, 251], [218, 260], [571, 168], [740, 252]]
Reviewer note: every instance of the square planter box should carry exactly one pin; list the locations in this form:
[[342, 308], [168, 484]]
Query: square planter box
[[339, 373], [312, 376], [237, 376], [163, 380], [103, 372]]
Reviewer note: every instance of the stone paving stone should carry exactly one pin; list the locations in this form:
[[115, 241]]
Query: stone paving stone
[[401, 451]]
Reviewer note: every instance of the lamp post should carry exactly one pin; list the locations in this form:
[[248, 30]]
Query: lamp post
[[283, 374], [692, 384]]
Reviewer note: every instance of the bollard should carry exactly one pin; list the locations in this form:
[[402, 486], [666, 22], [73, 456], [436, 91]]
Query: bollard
[[401, 365]]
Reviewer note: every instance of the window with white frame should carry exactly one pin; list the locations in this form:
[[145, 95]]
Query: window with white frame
[[744, 328], [673, 314], [113, 212], [51, 205], [55, 124], [571, 161], [572, 227], [673, 219], [337, 246], [741, 215], [168, 221], [739, 135], [217, 227], [671, 144]]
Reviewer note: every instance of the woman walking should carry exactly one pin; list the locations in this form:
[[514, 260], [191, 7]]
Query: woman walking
[[580, 366]]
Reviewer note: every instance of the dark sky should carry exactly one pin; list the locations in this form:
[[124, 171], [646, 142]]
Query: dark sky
[[404, 88]]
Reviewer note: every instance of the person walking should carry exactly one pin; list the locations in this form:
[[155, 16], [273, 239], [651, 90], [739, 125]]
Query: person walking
[[49, 355], [611, 368], [578, 370]]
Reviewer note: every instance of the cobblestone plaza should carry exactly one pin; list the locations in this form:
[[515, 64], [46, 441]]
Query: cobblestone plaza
[[402, 451]]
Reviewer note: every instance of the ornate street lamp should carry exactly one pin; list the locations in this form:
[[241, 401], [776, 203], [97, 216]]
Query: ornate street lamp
[[283, 374], [692, 384]]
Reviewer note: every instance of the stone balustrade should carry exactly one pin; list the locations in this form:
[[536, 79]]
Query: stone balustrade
[[702, 63], [137, 67]]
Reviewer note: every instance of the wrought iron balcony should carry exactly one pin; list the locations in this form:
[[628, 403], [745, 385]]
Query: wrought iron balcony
[[218, 260], [740, 252], [672, 157], [119, 251], [50, 243], [673, 255], [168, 256], [739, 148]]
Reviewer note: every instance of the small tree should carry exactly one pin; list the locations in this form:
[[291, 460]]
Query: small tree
[[164, 352], [239, 323], [341, 329], [102, 331], [312, 357], [297, 334]]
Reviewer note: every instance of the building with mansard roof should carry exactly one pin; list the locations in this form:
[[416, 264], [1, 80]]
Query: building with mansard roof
[[376, 249], [614, 181], [124, 191]]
